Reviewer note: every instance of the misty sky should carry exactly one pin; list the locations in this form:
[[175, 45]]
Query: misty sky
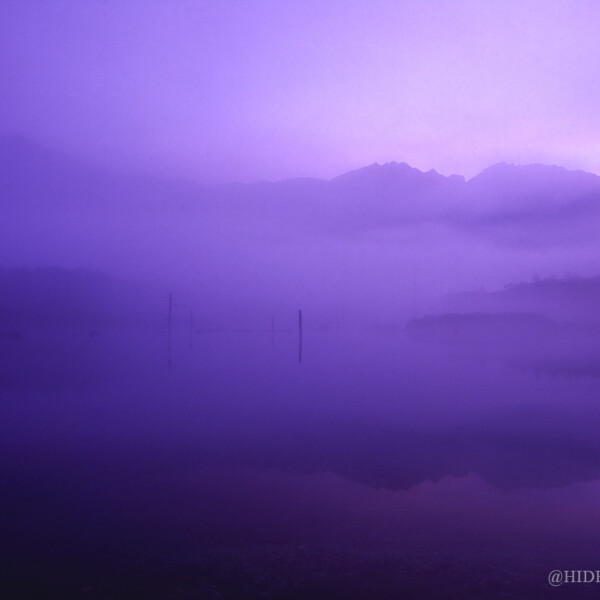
[[267, 89]]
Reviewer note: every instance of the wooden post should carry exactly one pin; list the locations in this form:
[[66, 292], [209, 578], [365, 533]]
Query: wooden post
[[414, 291], [170, 299], [299, 336]]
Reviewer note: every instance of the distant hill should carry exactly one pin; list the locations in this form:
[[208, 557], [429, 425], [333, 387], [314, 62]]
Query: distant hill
[[73, 300], [530, 195], [35, 177], [567, 299]]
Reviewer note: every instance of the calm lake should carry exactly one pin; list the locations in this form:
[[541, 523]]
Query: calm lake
[[374, 468]]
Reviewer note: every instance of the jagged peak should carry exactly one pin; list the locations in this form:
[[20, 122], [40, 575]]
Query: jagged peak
[[393, 171]]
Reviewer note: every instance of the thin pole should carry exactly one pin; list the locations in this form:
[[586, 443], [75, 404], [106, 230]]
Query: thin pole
[[299, 336], [414, 290], [169, 330]]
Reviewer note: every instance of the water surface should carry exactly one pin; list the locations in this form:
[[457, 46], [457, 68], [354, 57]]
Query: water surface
[[375, 468]]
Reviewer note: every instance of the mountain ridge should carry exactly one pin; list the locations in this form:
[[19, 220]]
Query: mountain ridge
[[23, 147], [504, 200]]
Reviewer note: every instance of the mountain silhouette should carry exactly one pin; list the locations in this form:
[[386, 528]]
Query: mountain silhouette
[[542, 192], [372, 196], [57, 209]]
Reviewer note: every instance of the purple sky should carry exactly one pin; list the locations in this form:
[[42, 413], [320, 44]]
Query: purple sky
[[269, 89]]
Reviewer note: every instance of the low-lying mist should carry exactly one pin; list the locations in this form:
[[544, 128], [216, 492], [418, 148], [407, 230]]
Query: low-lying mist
[[377, 246]]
